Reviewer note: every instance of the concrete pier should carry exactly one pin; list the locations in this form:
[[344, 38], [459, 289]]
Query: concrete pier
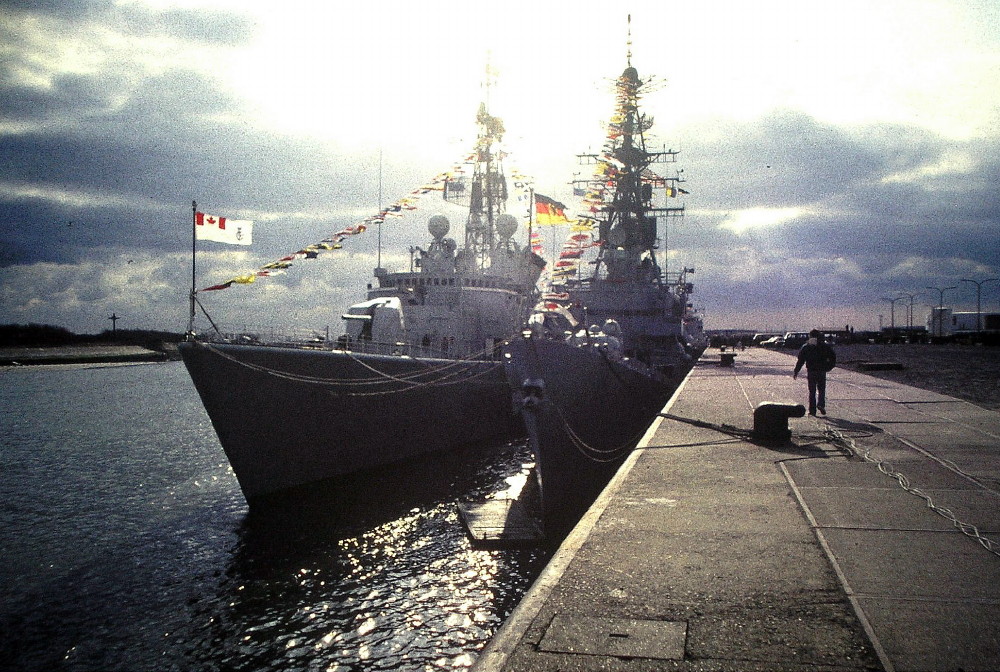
[[862, 543]]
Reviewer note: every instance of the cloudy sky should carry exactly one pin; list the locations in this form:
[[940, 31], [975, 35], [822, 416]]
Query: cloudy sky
[[835, 153]]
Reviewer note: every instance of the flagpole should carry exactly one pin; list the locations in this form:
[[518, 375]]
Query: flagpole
[[378, 262], [531, 214], [194, 223]]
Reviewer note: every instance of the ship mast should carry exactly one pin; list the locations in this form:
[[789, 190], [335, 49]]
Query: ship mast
[[488, 192], [628, 228]]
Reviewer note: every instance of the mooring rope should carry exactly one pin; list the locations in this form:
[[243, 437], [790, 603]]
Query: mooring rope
[[407, 382], [593, 453]]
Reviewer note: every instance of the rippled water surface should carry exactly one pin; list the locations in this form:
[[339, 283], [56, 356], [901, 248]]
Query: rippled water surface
[[127, 544]]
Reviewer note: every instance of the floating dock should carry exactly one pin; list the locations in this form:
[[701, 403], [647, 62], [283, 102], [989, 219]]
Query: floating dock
[[502, 523], [869, 540]]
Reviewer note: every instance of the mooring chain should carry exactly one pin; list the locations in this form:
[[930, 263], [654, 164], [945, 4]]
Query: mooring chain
[[592, 453], [534, 396], [839, 439], [886, 468], [722, 428]]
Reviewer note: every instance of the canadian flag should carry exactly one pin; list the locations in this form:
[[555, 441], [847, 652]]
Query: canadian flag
[[222, 230]]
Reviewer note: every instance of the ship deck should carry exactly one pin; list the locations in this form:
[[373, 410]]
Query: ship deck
[[708, 551]]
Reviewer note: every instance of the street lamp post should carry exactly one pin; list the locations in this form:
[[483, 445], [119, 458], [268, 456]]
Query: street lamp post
[[892, 314], [940, 315], [979, 305], [909, 325]]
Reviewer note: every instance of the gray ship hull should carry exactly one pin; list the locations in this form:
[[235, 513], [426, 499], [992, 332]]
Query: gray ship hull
[[590, 413], [289, 416]]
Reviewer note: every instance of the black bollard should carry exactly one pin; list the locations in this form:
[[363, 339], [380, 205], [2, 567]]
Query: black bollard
[[770, 421]]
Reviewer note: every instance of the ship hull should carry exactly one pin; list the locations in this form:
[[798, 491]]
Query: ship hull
[[589, 415], [287, 416]]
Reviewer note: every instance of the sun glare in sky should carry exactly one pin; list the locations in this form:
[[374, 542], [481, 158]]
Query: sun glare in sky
[[807, 123]]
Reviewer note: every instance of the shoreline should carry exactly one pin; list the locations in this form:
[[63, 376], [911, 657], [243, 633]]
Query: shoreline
[[84, 354]]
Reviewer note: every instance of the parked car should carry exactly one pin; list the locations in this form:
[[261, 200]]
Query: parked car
[[796, 339], [760, 338], [773, 342]]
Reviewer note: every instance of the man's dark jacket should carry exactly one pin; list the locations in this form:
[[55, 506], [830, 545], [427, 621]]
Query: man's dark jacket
[[818, 358]]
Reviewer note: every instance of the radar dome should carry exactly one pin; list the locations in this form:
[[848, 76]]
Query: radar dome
[[438, 226], [506, 225]]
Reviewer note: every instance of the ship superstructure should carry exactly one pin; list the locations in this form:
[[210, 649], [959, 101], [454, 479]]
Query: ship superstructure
[[630, 202], [456, 302]]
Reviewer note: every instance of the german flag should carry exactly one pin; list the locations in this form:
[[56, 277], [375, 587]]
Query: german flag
[[550, 211]]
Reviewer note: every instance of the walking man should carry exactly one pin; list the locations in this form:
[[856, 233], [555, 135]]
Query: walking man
[[818, 358]]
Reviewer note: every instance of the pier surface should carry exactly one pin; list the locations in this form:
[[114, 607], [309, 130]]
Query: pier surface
[[851, 547]]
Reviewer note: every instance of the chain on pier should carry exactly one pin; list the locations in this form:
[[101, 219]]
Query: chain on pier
[[838, 438]]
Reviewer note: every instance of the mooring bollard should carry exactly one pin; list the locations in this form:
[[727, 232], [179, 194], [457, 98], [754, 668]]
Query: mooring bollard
[[770, 421]]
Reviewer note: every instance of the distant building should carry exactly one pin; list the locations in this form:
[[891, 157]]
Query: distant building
[[946, 323], [914, 334]]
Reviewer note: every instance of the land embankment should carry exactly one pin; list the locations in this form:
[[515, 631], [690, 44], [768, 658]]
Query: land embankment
[[85, 354], [24, 344]]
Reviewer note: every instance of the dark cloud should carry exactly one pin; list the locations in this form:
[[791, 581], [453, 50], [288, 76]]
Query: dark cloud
[[78, 93], [788, 158], [851, 186], [857, 214], [136, 20], [62, 9], [156, 148], [205, 26], [40, 230]]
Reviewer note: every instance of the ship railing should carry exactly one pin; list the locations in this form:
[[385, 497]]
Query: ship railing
[[275, 336], [410, 350], [670, 279], [320, 339]]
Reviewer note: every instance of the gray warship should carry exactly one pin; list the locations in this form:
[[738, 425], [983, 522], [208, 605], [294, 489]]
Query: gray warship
[[417, 369], [591, 372]]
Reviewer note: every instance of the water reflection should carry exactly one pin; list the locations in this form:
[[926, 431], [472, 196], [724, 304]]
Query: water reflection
[[372, 573], [127, 545]]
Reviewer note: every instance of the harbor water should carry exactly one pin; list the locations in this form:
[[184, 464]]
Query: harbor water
[[127, 544]]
